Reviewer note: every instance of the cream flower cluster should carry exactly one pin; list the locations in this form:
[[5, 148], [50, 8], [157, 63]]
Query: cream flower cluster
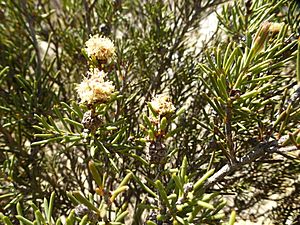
[[94, 89], [100, 48], [162, 105]]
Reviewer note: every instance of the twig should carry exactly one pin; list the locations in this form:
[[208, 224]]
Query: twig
[[259, 151], [32, 34], [228, 131]]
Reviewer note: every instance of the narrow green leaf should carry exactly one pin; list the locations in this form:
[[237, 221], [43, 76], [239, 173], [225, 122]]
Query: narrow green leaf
[[202, 124], [194, 213], [205, 69], [151, 134], [75, 107], [211, 160], [114, 165], [280, 118], [126, 179], [257, 68], [7, 195], [226, 54], [145, 187], [46, 207], [148, 123], [39, 142], [219, 110], [24, 220], [43, 135], [71, 218], [210, 196], [209, 87], [53, 124], [283, 33], [5, 108], [217, 216], [178, 183], [173, 196], [50, 209], [257, 80], [183, 169], [73, 122], [218, 56], [116, 223], [180, 111], [163, 123], [96, 175], [116, 139], [239, 80], [3, 71], [43, 121], [3, 74], [220, 206], [20, 211], [58, 221], [24, 83], [84, 201], [249, 94], [121, 216], [298, 62], [283, 127], [288, 47], [117, 192], [152, 109], [229, 61], [33, 206], [232, 218], [150, 223], [61, 118], [200, 182], [222, 86], [139, 158], [210, 61], [84, 220], [38, 128], [7, 221], [215, 87], [72, 198], [39, 217], [181, 220], [205, 205], [162, 193]]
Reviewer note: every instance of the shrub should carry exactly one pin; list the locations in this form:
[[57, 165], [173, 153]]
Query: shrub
[[112, 112]]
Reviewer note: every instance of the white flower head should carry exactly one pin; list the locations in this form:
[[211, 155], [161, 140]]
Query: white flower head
[[95, 89], [100, 48], [162, 105]]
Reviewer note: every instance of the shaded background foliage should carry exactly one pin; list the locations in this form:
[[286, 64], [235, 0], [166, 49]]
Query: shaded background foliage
[[41, 61]]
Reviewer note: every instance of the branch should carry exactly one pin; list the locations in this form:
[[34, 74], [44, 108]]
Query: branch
[[259, 151]]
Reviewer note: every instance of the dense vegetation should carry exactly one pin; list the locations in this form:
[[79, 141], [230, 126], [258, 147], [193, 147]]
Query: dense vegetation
[[112, 113]]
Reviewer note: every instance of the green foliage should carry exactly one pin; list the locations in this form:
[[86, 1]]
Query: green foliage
[[182, 126]]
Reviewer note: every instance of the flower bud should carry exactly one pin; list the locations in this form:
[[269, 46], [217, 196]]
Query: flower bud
[[163, 123], [276, 27], [261, 37]]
